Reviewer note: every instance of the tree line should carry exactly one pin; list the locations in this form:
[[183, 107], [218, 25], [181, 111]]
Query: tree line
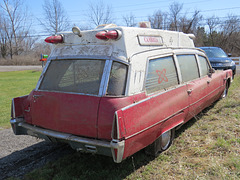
[[16, 26]]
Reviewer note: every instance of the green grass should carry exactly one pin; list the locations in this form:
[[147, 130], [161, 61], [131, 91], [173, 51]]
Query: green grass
[[207, 147], [14, 84]]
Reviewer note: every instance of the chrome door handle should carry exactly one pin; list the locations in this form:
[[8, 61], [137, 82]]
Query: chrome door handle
[[37, 96], [189, 91]]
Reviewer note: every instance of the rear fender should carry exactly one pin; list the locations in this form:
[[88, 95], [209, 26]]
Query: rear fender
[[118, 129], [17, 109]]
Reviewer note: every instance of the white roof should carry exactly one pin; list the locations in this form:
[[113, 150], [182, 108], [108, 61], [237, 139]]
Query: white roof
[[133, 40]]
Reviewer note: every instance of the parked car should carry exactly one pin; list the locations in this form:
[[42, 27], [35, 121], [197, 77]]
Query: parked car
[[116, 90], [219, 59]]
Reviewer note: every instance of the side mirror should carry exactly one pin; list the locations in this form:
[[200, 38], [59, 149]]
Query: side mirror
[[211, 71], [229, 55]]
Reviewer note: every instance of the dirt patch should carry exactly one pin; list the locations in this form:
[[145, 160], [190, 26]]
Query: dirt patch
[[22, 154]]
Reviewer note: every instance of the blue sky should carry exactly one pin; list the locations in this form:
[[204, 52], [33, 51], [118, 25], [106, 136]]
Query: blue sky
[[141, 9]]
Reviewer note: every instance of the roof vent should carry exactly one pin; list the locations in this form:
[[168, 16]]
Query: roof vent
[[145, 24], [104, 26], [191, 36]]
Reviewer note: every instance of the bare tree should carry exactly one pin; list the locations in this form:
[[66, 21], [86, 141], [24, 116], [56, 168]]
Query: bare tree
[[212, 23], [99, 13], [129, 20], [14, 26], [190, 25], [175, 10], [56, 19], [230, 34], [159, 20]]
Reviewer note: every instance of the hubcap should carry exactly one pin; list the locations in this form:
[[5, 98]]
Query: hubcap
[[166, 139]]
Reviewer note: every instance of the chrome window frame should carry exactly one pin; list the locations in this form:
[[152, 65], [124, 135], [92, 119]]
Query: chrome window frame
[[105, 76]]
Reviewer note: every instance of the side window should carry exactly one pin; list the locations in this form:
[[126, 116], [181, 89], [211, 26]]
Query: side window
[[117, 79], [204, 67], [161, 74], [188, 67]]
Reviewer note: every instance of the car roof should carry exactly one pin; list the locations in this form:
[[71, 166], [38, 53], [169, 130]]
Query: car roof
[[209, 47]]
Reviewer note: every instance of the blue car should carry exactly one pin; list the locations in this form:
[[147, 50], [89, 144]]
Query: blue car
[[219, 59]]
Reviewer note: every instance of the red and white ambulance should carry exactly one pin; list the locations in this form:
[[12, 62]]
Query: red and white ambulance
[[116, 90]]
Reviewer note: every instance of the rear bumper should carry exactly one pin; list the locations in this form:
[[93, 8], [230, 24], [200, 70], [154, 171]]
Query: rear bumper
[[113, 148]]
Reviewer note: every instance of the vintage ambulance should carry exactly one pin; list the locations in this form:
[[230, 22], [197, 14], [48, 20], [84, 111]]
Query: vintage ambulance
[[116, 90]]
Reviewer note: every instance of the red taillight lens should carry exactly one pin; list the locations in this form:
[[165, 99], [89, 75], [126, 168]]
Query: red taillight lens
[[112, 34], [101, 35], [114, 128], [105, 35], [54, 39]]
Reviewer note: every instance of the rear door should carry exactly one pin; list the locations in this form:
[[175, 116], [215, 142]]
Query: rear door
[[67, 99], [201, 88], [196, 87]]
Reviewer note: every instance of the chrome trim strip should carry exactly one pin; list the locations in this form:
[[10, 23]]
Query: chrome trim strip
[[105, 78], [69, 93], [16, 120], [42, 74]]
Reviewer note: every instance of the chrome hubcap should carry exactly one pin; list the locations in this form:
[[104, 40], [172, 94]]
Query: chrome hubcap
[[166, 139]]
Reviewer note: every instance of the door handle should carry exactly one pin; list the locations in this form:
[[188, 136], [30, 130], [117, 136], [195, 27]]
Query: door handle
[[189, 91], [37, 96]]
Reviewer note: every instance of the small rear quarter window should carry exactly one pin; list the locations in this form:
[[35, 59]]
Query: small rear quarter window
[[117, 79]]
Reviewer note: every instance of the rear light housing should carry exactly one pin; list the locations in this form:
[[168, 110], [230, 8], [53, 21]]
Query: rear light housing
[[54, 39], [115, 130], [106, 35]]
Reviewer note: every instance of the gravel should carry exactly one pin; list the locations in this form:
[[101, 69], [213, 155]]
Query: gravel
[[22, 154]]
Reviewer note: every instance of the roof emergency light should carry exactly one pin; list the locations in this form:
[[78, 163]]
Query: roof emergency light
[[54, 39], [76, 30], [105, 35]]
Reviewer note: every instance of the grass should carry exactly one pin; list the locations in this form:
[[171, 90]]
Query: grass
[[207, 147], [14, 84]]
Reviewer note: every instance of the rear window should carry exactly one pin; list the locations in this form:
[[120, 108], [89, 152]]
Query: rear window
[[78, 76]]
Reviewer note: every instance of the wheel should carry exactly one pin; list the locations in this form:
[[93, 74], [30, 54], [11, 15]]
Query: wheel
[[160, 144], [225, 92]]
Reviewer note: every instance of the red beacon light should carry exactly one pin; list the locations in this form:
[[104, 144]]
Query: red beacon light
[[105, 35], [54, 39]]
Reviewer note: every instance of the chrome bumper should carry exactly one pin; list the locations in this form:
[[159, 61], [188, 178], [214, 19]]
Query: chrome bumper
[[114, 148]]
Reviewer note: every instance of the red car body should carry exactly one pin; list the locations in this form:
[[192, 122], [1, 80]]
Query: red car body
[[117, 126]]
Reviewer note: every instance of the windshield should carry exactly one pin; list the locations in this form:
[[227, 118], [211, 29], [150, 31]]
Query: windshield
[[215, 53], [80, 76]]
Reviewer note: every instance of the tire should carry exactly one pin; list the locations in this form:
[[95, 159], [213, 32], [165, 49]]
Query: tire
[[225, 92], [160, 144]]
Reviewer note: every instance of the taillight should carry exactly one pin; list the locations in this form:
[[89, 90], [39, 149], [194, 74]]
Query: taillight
[[115, 128], [54, 39], [101, 35], [13, 110], [112, 34], [105, 35]]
